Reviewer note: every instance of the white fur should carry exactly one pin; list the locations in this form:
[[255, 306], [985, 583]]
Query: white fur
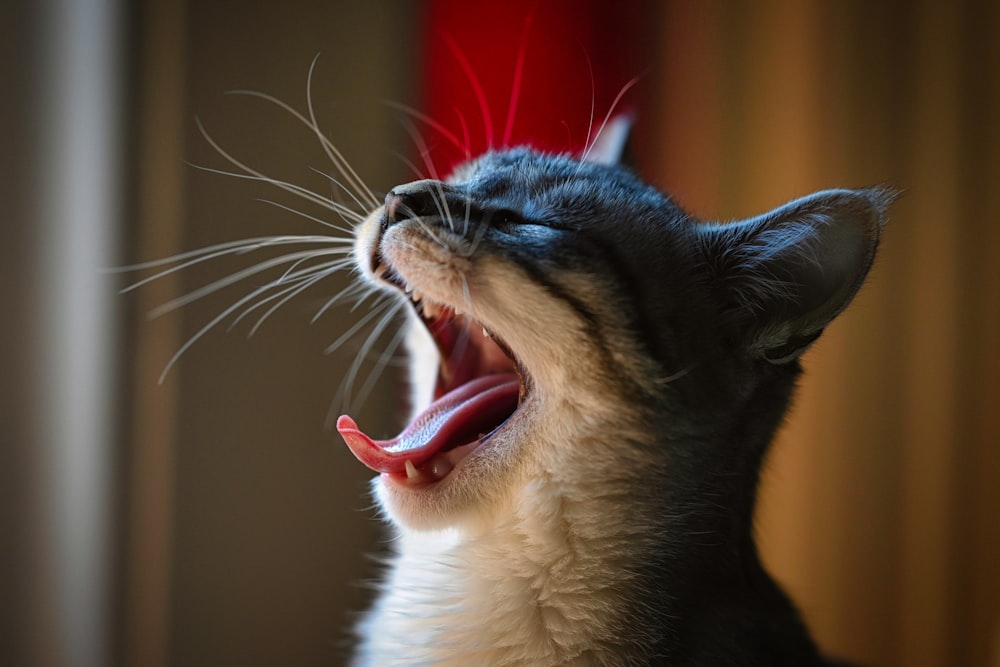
[[528, 591]]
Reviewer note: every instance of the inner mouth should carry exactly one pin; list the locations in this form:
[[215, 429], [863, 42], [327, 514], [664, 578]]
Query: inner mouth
[[480, 384]]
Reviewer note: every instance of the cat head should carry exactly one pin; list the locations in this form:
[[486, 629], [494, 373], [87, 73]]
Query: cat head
[[562, 309]]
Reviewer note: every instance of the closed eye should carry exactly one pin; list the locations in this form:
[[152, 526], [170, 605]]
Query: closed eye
[[505, 220]]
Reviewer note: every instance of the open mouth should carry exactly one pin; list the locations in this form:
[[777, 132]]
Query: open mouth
[[480, 384]]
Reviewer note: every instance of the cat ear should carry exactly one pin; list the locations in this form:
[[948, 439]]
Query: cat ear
[[786, 274], [608, 146]]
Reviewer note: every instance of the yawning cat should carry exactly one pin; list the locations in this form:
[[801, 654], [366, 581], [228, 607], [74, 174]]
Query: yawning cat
[[596, 377]]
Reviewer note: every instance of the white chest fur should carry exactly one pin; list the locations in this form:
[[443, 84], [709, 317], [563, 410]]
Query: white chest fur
[[536, 589]]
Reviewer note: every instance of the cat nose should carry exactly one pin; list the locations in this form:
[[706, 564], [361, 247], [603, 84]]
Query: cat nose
[[413, 200]]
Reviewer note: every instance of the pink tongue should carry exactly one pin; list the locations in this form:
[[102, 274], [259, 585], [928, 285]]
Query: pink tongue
[[457, 418]]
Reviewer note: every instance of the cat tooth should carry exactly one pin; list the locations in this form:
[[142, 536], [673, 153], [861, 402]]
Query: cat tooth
[[486, 333], [416, 296], [440, 467], [381, 270], [431, 310], [412, 474]]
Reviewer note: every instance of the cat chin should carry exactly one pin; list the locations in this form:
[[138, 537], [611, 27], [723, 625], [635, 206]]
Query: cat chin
[[473, 493]]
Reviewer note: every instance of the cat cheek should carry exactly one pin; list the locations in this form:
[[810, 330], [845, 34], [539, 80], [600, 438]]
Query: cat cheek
[[365, 238]]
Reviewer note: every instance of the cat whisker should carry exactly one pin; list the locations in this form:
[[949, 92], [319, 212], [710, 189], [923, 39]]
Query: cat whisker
[[477, 239], [349, 291], [342, 189], [239, 303], [306, 283], [303, 214], [422, 149], [208, 327], [344, 395], [231, 279], [477, 87], [441, 202], [253, 174], [357, 326], [357, 185], [673, 377], [468, 211], [293, 272], [607, 117], [409, 164], [593, 104], [515, 89], [193, 257], [412, 215], [381, 363], [433, 124], [331, 151], [466, 294], [285, 288], [465, 134]]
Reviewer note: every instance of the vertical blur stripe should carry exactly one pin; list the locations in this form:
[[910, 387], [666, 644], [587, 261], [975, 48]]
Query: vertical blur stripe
[[78, 195]]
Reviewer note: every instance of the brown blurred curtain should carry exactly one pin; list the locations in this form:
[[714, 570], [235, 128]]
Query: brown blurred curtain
[[881, 500]]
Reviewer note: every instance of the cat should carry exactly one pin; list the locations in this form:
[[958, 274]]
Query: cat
[[596, 377]]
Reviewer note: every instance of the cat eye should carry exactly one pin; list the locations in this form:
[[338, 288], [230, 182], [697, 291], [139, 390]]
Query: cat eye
[[506, 220]]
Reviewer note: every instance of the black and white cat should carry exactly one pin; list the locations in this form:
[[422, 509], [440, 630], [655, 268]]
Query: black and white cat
[[596, 378]]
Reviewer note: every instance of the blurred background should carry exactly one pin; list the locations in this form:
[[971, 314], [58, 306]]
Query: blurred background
[[212, 519]]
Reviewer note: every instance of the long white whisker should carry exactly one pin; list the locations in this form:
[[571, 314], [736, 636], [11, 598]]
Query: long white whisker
[[228, 280], [361, 396], [607, 117], [219, 250], [593, 103], [345, 293], [343, 167], [373, 336], [430, 122], [305, 215], [465, 134], [372, 314], [409, 163], [441, 201], [285, 288], [411, 215], [293, 272], [215, 255], [422, 148], [477, 87], [305, 193], [477, 239], [341, 188], [466, 295], [208, 327], [295, 291], [331, 151]]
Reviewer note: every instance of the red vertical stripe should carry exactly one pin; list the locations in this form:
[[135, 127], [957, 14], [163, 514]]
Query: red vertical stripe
[[553, 58]]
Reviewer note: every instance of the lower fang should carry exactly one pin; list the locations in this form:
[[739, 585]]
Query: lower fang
[[440, 467], [412, 473]]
